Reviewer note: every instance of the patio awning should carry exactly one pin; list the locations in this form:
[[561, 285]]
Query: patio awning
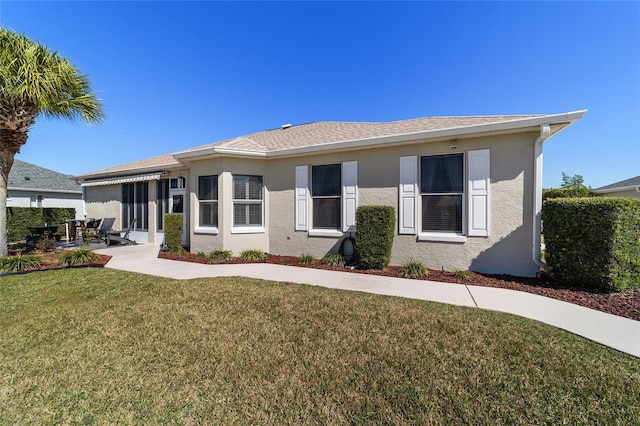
[[123, 179]]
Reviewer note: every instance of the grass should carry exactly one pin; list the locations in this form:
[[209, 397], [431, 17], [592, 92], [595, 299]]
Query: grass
[[108, 347]]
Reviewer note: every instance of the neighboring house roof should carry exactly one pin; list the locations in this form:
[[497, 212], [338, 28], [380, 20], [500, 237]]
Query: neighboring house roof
[[624, 185], [29, 177], [329, 135]]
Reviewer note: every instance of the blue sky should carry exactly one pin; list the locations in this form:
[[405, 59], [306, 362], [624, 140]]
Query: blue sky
[[174, 75]]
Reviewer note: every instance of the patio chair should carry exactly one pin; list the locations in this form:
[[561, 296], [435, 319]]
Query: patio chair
[[92, 229], [106, 227], [117, 237]]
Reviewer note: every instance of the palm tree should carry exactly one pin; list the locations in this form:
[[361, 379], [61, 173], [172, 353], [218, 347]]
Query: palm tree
[[35, 82]]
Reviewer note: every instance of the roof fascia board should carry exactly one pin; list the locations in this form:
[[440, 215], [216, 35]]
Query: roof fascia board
[[52, 191], [220, 151], [620, 189], [125, 172]]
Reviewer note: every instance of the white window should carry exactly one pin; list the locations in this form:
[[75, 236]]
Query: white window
[[334, 198], [208, 201], [36, 201], [437, 203], [442, 193], [326, 193], [248, 203]]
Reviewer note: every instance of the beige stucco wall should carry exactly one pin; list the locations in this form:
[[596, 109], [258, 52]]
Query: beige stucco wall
[[227, 237], [104, 201], [508, 248]]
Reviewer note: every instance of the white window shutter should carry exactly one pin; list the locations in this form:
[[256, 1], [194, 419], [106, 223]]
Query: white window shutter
[[349, 195], [302, 189], [479, 186], [408, 193]]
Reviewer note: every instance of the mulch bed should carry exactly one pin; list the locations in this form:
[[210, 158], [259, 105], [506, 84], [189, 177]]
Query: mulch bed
[[625, 304]]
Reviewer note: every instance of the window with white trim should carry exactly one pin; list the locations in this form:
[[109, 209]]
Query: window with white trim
[[247, 201], [445, 197], [208, 201], [326, 194], [442, 193], [36, 201]]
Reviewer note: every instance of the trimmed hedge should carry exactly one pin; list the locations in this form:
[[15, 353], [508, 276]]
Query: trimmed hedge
[[173, 231], [20, 218], [581, 192], [375, 228], [593, 242]]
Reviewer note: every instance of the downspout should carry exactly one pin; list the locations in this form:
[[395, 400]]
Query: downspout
[[545, 132]]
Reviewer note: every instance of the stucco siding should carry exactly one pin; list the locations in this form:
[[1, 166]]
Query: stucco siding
[[104, 201], [506, 250]]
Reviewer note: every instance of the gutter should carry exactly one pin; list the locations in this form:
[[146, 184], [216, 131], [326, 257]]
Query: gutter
[[545, 132]]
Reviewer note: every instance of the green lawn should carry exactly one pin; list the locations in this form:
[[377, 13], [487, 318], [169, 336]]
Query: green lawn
[[107, 347]]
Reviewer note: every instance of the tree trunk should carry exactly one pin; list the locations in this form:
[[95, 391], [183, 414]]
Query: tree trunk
[[10, 143]]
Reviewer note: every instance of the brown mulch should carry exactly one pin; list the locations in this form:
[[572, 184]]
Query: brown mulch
[[50, 261], [625, 304]]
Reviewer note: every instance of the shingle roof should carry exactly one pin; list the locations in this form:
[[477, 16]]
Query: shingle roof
[[631, 182], [158, 162], [324, 132], [29, 176]]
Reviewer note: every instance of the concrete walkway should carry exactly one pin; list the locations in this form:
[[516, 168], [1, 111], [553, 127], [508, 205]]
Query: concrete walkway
[[619, 333]]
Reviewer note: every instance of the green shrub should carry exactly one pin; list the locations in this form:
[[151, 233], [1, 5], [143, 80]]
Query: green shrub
[[593, 242], [333, 259], [201, 255], [45, 244], [413, 269], [77, 257], [581, 192], [375, 228], [20, 218], [306, 259], [253, 255], [462, 274], [173, 232], [20, 262], [220, 255]]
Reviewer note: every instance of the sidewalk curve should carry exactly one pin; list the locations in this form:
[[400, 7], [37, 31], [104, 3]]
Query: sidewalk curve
[[616, 332]]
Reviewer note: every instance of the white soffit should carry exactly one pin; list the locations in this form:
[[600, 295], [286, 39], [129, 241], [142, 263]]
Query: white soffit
[[123, 179]]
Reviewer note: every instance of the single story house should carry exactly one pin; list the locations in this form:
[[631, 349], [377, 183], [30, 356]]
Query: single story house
[[33, 186], [625, 188], [467, 190]]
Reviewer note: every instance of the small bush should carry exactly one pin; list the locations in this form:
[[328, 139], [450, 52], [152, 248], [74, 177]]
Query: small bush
[[375, 228], [45, 244], [462, 274], [20, 262], [220, 255], [306, 259], [253, 255], [333, 259], [201, 255], [173, 232], [413, 269], [77, 257]]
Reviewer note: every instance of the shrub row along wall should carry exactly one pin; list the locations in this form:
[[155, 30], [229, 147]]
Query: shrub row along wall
[[375, 227], [593, 242], [20, 218]]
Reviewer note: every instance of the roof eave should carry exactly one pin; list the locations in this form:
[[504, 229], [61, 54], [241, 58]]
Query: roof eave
[[619, 189], [522, 123], [52, 191], [135, 170]]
